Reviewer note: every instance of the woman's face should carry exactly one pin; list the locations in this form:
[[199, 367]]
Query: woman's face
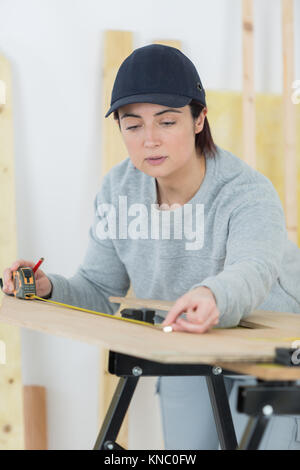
[[153, 130]]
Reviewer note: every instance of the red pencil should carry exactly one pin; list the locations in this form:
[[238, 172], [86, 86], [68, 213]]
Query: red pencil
[[38, 264]]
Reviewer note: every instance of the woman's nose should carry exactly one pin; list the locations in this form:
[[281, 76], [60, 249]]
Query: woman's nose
[[151, 136]]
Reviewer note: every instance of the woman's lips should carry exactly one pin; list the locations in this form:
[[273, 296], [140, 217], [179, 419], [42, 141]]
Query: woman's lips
[[156, 160]]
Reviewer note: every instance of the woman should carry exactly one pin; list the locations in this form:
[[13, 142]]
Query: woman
[[182, 219]]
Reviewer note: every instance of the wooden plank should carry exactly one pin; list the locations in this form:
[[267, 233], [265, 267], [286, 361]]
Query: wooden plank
[[289, 120], [133, 302], [264, 371], [225, 118], [218, 345], [11, 403], [258, 319], [117, 46], [169, 42], [35, 417], [269, 319], [249, 125]]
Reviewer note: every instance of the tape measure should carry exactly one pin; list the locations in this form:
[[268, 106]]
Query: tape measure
[[25, 288], [23, 283], [166, 329]]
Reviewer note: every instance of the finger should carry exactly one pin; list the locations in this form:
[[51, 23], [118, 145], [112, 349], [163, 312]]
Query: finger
[[189, 304], [39, 274], [191, 318], [187, 327], [7, 275], [179, 307], [196, 328], [40, 283], [7, 281], [21, 262], [179, 325], [194, 316], [201, 314]]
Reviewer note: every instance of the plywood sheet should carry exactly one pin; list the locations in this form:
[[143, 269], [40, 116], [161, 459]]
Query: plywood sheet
[[231, 344], [11, 404], [263, 371], [225, 116]]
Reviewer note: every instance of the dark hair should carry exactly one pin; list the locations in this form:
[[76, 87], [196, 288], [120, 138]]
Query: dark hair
[[203, 140]]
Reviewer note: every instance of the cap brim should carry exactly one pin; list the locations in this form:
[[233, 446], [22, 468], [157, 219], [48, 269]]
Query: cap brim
[[174, 101]]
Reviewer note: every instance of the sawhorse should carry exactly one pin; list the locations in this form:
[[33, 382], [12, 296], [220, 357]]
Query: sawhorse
[[260, 401]]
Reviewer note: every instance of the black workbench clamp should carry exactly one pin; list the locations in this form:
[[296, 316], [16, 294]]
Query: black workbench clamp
[[139, 314], [263, 401], [288, 356]]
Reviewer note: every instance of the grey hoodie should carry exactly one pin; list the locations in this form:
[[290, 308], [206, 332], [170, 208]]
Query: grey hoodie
[[231, 237]]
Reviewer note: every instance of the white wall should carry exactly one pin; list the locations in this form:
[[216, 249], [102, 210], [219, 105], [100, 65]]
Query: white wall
[[55, 50]]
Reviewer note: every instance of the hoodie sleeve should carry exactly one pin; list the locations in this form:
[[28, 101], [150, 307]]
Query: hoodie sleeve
[[254, 251], [101, 274]]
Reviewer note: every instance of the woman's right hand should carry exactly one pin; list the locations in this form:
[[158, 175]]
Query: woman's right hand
[[43, 284]]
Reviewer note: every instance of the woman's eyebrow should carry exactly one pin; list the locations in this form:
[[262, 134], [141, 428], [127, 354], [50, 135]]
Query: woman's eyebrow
[[156, 114]]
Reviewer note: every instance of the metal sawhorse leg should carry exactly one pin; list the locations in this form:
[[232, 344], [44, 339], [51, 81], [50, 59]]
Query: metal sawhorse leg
[[261, 402], [131, 368], [116, 414]]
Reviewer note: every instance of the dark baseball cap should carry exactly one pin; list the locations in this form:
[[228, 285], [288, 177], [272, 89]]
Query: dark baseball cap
[[157, 74]]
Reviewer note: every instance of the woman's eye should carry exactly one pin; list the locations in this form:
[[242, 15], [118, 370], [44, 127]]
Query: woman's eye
[[169, 123]]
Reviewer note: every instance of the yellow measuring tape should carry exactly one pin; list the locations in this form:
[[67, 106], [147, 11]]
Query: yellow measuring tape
[[166, 329], [139, 322]]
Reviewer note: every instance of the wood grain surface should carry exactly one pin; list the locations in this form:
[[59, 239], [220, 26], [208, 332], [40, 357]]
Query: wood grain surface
[[237, 346]]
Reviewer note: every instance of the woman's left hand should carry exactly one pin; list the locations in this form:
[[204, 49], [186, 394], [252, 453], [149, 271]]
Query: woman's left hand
[[200, 308]]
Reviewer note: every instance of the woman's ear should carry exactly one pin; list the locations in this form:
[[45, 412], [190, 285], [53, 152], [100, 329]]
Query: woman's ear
[[199, 122]]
